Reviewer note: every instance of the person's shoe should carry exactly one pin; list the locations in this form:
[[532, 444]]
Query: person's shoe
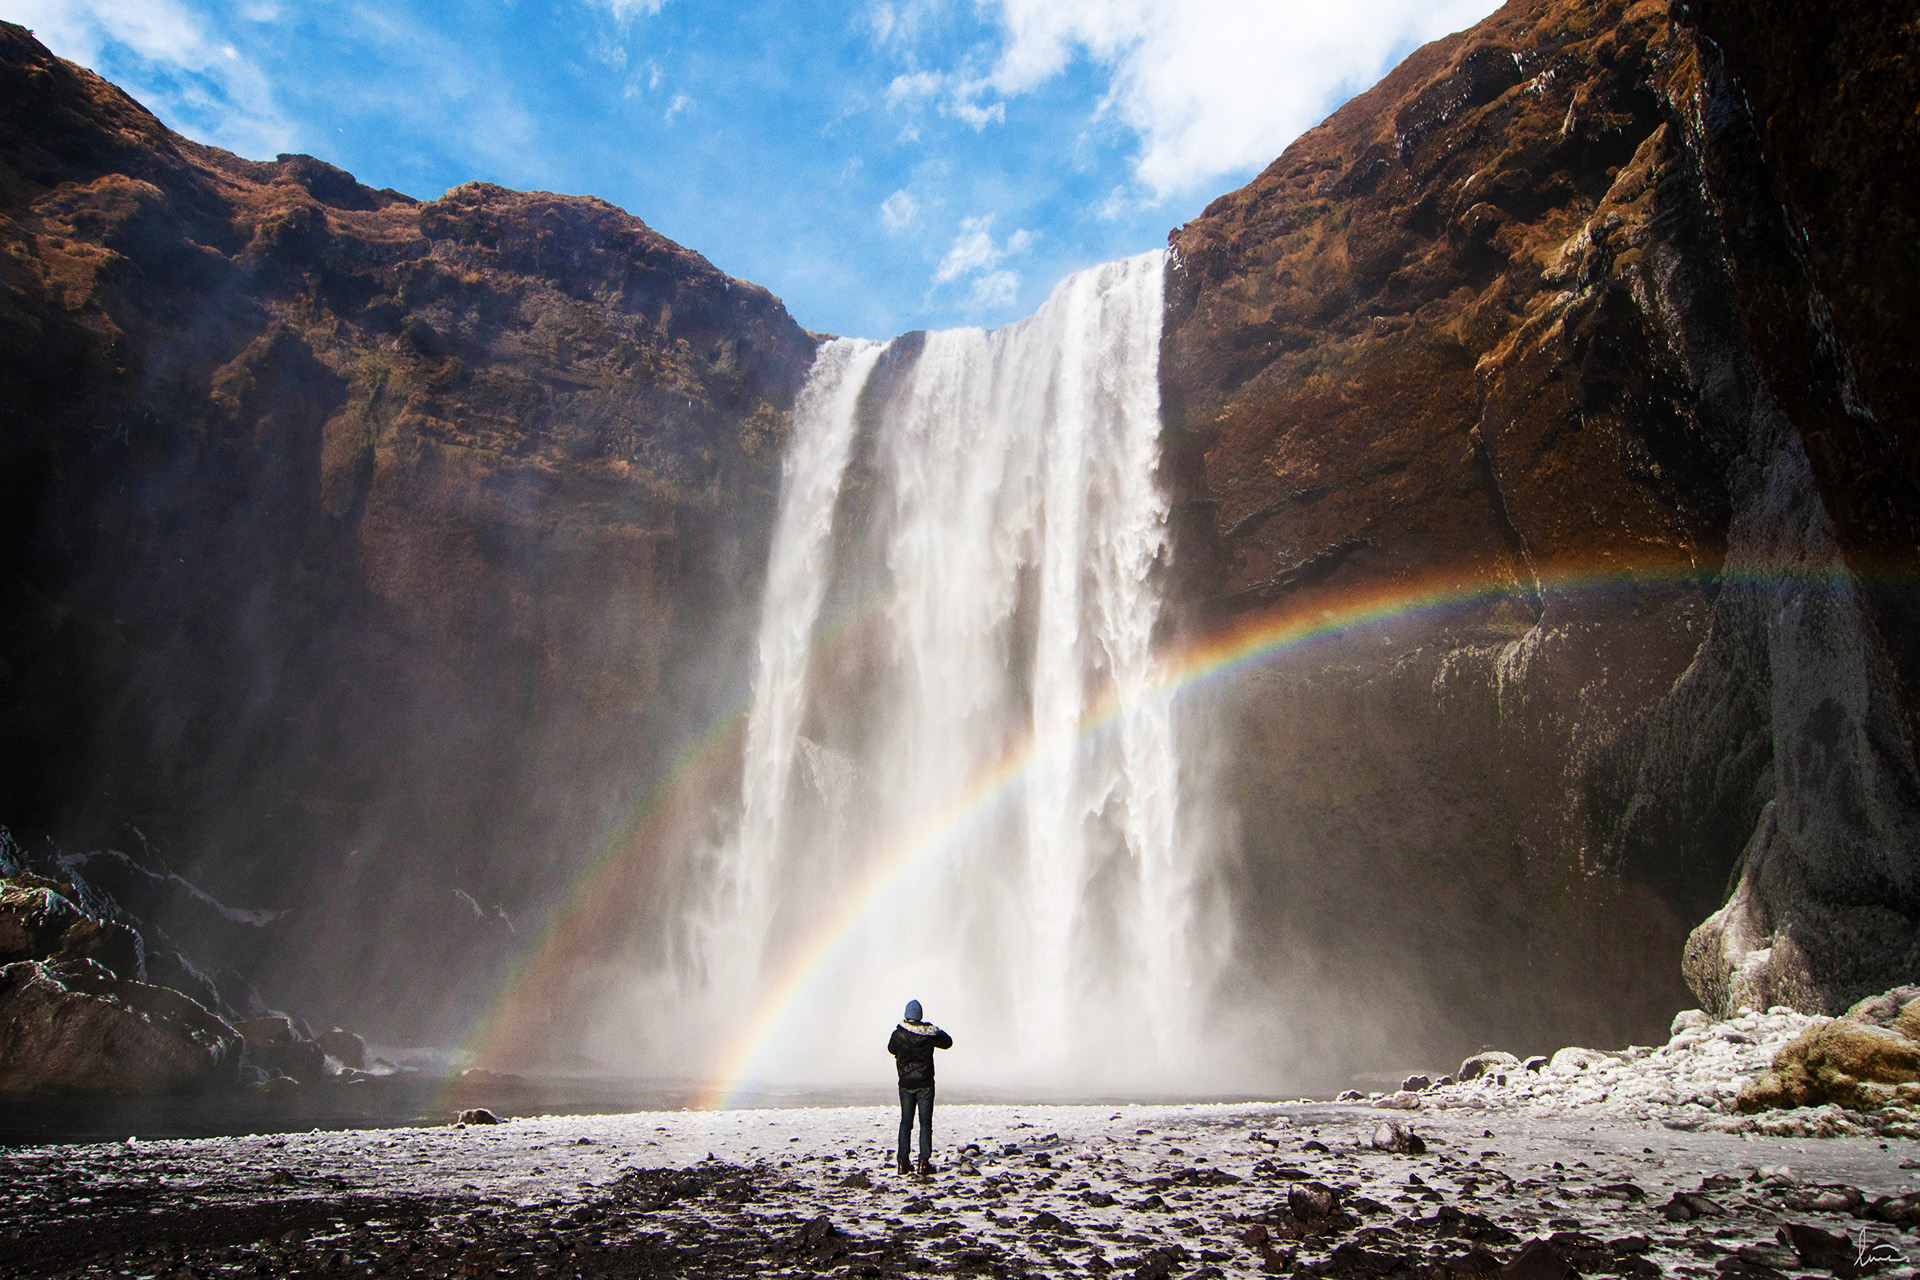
[[905, 1168], [926, 1168]]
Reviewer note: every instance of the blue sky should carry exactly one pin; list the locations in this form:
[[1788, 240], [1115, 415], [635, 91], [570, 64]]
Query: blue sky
[[881, 165]]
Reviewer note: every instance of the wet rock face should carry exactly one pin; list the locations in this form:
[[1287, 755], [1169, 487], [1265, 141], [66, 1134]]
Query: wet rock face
[[364, 548], [1487, 342], [74, 1027]]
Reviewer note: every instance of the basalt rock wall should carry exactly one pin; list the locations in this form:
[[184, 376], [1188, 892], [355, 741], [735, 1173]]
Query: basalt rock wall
[[360, 550], [1554, 384]]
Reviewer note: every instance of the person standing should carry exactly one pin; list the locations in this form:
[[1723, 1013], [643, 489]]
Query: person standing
[[912, 1045]]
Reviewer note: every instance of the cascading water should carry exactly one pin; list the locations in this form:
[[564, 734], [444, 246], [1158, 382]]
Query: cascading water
[[963, 590]]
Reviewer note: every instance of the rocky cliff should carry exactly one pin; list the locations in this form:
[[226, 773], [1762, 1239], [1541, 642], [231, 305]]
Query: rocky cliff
[[360, 550], [1573, 352]]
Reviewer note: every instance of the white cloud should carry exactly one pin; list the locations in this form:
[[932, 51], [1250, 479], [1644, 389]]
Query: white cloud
[[955, 95], [995, 291], [1215, 86], [215, 91], [898, 210], [680, 105], [972, 250], [911, 87], [976, 115], [628, 10], [974, 253]]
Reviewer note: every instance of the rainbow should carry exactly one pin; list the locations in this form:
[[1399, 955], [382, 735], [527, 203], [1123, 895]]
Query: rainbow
[[1249, 641]]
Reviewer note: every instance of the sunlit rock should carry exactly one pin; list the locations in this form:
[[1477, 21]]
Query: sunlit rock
[[1857, 1062], [40, 921]]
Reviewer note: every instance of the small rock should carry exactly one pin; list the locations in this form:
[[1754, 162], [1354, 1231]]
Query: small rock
[[1414, 1084], [858, 1181], [1768, 1255], [1312, 1201], [1350, 1095], [1485, 1063], [1392, 1135], [1402, 1101], [1314, 1145], [1689, 1020], [819, 1237], [1817, 1248], [477, 1115], [1572, 1060], [348, 1049], [1835, 1198], [1688, 1205], [1276, 1261], [1901, 1211], [1538, 1260], [1621, 1191], [1536, 1063]]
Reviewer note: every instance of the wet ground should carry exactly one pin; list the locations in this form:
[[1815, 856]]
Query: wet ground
[[1152, 1191]]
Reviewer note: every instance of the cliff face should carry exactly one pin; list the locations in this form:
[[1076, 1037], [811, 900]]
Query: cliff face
[[360, 549], [1525, 335]]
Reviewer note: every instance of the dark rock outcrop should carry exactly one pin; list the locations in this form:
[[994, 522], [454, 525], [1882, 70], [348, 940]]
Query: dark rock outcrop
[[74, 1027], [360, 549], [1514, 376]]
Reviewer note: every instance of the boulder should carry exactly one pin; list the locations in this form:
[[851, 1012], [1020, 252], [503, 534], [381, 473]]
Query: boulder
[[1572, 1060], [275, 1045], [344, 1046], [76, 1027], [1486, 1063], [1855, 1064], [1312, 1201], [1391, 1135]]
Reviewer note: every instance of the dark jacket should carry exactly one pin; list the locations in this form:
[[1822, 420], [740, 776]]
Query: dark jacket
[[912, 1045]]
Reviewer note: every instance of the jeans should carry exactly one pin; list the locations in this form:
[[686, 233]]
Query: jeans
[[922, 1099]]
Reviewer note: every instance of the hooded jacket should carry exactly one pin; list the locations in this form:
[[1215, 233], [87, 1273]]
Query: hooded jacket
[[912, 1045]]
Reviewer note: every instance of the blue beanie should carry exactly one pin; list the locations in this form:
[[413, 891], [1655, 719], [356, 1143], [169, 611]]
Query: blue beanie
[[913, 1011]]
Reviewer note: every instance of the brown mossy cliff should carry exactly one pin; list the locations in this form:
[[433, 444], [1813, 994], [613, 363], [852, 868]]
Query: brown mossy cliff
[[1523, 354], [359, 549]]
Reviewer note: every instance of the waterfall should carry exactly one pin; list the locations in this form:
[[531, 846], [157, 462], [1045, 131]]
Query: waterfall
[[964, 585]]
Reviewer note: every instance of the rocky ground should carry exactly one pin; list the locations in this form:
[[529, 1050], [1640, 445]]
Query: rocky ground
[[1634, 1164]]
